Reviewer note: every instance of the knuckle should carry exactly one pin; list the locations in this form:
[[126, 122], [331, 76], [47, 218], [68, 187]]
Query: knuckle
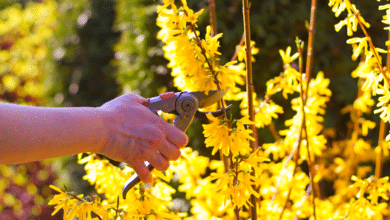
[[138, 152], [157, 137]]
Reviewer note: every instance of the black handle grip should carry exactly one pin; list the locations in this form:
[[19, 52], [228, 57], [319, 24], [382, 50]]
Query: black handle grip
[[134, 179]]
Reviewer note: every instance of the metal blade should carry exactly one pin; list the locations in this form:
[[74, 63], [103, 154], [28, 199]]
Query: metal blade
[[202, 115], [207, 100]]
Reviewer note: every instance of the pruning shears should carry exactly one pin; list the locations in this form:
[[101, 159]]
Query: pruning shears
[[185, 105]]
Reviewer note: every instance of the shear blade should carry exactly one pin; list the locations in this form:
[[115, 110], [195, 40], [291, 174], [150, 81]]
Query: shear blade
[[207, 100], [202, 115]]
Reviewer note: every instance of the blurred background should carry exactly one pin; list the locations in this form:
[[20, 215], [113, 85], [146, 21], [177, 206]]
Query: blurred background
[[87, 52]]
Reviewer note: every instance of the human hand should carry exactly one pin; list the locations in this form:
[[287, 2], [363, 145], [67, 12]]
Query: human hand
[[134, 134]]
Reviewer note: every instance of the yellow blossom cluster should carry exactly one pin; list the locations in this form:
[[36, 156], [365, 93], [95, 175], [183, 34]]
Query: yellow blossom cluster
[[192, 59], [24, 49], [222, 137], [25, 34], [143, 201], [371, 72]]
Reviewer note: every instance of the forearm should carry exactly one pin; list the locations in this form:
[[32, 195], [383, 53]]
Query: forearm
[[36, 133]]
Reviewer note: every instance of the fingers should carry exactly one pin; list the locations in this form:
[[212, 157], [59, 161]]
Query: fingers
[[176, 136], [158, 161], [142, 171], [170, 151]]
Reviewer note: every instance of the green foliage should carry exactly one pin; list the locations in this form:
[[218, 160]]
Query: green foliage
[[139, 58], [82, 50]]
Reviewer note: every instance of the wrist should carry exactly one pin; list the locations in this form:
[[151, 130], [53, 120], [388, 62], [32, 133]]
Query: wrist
[[99, 118]]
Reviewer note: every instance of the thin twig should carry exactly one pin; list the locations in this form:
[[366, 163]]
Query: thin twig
[[249, 86], [285, 165], [236, 209], [382, 71], [310, 43], [117, 208], [242, 41], [271, 128], [293, 173], [309, 61], [379, 155], [308, 191], [300, 69], [382, 130]]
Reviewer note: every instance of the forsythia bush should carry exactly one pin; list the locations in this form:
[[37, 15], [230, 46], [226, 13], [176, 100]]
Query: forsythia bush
[[274, 173]]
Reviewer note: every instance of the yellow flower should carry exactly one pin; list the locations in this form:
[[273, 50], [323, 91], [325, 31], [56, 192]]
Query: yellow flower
[[363, 45], [239, 191], [351, 21], [287, 59], [266, 112], [367, 124], [217, 135], [240, 136], [241, 55], [364, 102], [338, 6]]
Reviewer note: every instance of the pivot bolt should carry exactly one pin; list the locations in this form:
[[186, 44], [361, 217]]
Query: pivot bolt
[[185, 116], [187, 105]]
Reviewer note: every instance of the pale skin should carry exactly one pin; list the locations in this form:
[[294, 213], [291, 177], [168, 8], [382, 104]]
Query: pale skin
[[122, 129]]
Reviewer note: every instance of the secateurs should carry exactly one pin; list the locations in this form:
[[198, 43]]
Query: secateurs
[[185, 105]]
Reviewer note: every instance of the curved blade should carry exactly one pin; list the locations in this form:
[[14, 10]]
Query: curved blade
[[202, 115], [207, 100]]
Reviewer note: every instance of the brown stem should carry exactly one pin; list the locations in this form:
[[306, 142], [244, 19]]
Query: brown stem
[[382, 129], [271, 128], [309, 58], [296, 156], [213, 18], [249, 86], [382, 71], [117, 208], [308, 75], [379, 155], [237, 212], [242, 41], [311, 169], [236, 209], [75, 197], [213, 24]]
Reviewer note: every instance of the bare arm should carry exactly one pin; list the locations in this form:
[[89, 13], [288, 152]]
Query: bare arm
[[37, 133], [122, 129]]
